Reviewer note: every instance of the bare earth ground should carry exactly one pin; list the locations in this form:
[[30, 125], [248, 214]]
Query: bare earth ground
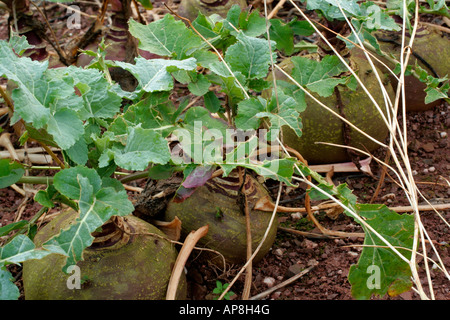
[[428, 135]]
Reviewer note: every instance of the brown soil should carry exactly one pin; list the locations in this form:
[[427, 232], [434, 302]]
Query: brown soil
[[430, 158]]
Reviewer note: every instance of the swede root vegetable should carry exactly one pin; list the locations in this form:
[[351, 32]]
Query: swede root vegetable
[[217, 204], [125, 261], [431, 50], [319, 125]]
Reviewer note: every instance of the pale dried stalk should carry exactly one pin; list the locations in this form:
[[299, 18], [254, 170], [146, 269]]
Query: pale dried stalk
[[276, 9], [344, 167], [6, 143], [248, 274], [131, 188], [436, 26], [398, 209], [34, 158], [182, 257], [418, 227]]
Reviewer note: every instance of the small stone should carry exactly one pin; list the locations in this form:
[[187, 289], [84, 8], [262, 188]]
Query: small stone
[[431, 169], [443, 134], [269, 282], [312, 262], [296, 216], [429, 113], [278, 252], [427, 147], [389, 196], [310, 244], [276, 295], [293, 270], [425, 170]]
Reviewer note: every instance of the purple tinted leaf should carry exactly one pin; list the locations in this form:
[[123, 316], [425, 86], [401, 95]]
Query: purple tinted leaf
[[198, 176], [182, 194]]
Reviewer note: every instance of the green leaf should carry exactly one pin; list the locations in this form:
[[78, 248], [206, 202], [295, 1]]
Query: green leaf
[[230, 86], [252, 24], [199, 137], [244, 149], [375, 18], [319, 77], [282, 110], [65, 127], [317, 195], [99, 99], [66, 181], [301, 28], [434, 94], [12, 226], [248, 110], [330, 8], [200, 87], [363, 34], [437, 88], [250, 56], [42, 197], [145, 113], [143, 146], [278, 169], [10, 172], [212, 103], [147, 4], [78, 153], [19, 44], [20, 249], [283, 35], [205, 26], [25, 73], [154, 75], [380, 270], [161, 171], [166, 37], [8, 290], [396, 6]]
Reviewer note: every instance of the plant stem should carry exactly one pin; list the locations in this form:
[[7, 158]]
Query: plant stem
[[51, 153], [134, 176], [36, 180]]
